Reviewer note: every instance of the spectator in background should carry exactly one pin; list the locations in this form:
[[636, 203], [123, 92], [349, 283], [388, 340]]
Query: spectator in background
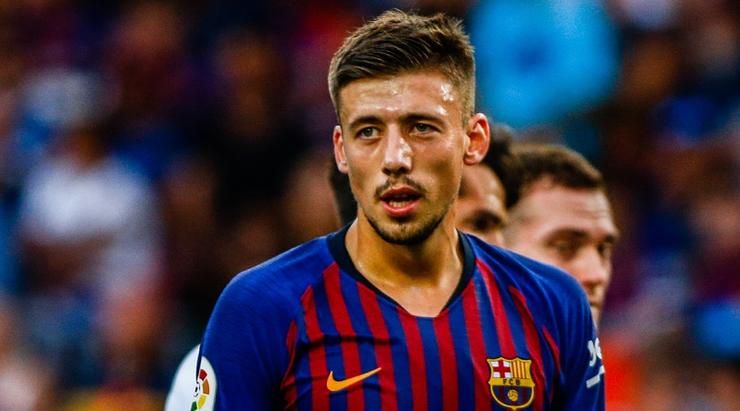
[[308, 203], [12, 72], [128, 331], [541, 61], [560, 214], [89, 229], [155, 86], [26, 382], [715, 328], [250, 124], [87, 218]]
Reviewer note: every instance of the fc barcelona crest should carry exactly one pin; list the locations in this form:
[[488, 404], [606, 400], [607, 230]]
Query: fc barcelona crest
[[511, 382]]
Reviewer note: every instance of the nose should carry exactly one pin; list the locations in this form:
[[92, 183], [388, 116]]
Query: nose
[[397, 159]]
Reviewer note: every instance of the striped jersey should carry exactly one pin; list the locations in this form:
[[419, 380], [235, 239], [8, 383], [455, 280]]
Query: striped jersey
[[306, 331]]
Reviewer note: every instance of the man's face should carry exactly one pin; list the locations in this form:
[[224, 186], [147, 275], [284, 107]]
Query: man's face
[[569, 228], [480, 206], [403, 142]]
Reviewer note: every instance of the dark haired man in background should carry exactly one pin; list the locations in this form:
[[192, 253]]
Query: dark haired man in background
[[560, 214]]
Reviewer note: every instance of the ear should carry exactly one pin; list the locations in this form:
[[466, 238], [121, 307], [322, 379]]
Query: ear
[[339, 155], [479, 137]]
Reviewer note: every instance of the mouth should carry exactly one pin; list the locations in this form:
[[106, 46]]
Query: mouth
[[400, 202]]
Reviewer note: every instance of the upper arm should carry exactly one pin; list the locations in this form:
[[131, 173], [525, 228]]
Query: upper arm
[[244, 354]]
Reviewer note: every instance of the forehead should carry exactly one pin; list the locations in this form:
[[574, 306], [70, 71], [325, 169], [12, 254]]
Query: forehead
[[425, 92], [547, 208]]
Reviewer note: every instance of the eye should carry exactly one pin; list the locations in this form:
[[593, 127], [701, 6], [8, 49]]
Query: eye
[[486, 223], [367, 132], [423, 128], [606, 250], [483, 223], [565, 249]]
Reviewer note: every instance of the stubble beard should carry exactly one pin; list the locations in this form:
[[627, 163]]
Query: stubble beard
[[410, 232]]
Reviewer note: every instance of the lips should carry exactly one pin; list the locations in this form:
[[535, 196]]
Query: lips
[[400, 202]]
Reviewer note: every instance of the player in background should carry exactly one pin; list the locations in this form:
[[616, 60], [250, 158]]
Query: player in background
[[560, 214], [399, 310], [480, 208]]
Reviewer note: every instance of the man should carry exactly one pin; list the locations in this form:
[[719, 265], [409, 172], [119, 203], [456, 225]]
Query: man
[[560, 215], [399, 310]]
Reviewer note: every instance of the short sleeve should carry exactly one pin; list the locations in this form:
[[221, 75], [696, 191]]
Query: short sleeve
[[244, 353]]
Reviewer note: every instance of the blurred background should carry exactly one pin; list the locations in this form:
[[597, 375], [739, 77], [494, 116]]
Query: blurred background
[[150, 150]]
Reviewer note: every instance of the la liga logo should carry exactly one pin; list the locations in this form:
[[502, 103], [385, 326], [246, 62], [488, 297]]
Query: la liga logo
[[205, 387]]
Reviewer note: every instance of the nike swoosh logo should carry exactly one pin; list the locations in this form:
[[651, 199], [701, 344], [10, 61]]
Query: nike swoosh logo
[[334, 385]]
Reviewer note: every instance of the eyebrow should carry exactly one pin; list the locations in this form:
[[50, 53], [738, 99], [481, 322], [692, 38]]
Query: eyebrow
[[580, 234], [498, 218], [567, 232], [372, 120], [407, 118], [414, 117]]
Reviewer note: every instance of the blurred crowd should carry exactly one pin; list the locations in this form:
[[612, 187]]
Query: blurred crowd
[[150, 150]]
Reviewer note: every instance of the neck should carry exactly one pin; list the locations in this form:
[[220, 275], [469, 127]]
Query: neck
[[428, 271]]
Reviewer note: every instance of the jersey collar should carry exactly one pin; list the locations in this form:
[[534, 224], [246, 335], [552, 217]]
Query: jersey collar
[[338, 249]]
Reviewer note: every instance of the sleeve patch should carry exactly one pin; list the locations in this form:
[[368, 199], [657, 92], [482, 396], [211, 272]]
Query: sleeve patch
[[204, 395]]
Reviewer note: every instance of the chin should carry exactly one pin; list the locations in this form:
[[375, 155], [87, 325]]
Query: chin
[[405, 232]]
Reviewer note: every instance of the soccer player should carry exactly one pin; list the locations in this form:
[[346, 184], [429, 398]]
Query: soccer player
[[399, 310], [561, 215]]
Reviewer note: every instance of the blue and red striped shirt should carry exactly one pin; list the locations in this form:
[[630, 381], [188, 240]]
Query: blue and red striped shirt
[[307, 331]]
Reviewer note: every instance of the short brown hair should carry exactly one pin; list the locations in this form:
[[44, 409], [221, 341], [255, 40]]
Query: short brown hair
[[563, 166], [397, 42]]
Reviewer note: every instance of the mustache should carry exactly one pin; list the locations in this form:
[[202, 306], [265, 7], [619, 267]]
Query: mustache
[[406, 181]]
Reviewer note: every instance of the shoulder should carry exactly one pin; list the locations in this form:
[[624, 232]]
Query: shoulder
[[562, 284], [250, 337], [546, 288], [255, 311], [522, 269], [280, 282]]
